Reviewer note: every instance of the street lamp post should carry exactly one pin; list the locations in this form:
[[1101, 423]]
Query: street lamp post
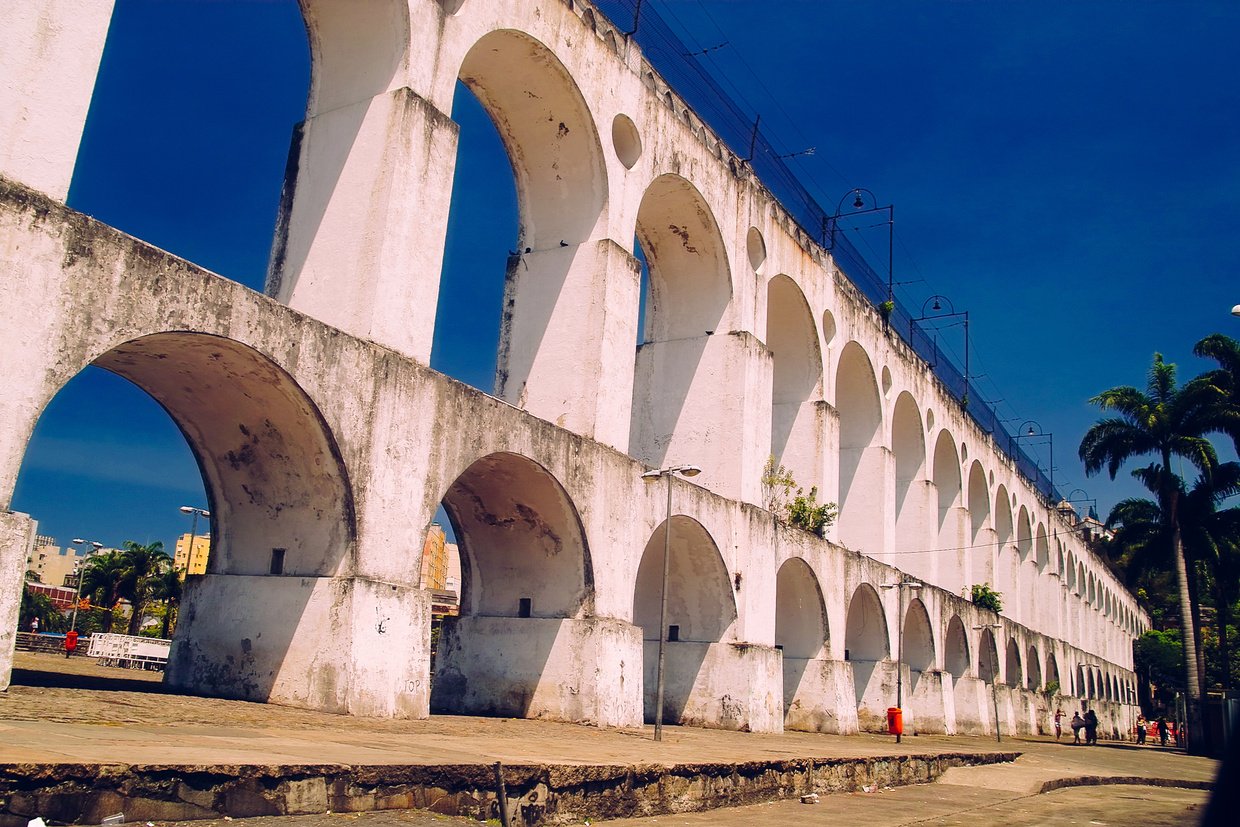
[[994, 675], [935, 306], [1235, 311], [862, 196], [1033, 428], [652, 476], [77, 572], [913, 585], [193, 531]]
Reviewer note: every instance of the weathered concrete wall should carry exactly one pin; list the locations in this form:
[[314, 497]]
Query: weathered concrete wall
[[16, 536], [546, 794], [49, 57]]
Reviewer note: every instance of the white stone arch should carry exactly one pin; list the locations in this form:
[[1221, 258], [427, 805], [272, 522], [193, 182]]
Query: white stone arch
[[1042, 554], [525, 571], [801, 635], [919, 653], [1006, 563], [700, 605], [981, 552], [1024, 597], [867, 647], [1012, 664], [861, 461], [956, 658], [689, 288], [950, 543], [356, 50], [1052, 673], [908, 445], [1033, 670], [987, 657], [276, 486], [792, 339]]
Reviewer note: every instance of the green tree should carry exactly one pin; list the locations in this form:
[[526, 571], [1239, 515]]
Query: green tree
[[984, 597], [1165, 421], [34, 604], [166, 588], [142, 566], [102, 576]]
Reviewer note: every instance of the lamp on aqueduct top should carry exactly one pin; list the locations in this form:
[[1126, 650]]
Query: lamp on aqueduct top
[[652, 476]]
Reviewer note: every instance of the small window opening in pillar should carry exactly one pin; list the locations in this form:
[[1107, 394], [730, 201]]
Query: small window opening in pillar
[[673, 633], [277, 561], [525, 606]]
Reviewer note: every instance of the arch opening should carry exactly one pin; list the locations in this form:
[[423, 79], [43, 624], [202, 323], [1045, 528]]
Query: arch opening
[[701, 611], [908, 443], [800, 630], [1013, 665], [918, 642], [527, 589], [857, 401], [866, 647], [792, 341]]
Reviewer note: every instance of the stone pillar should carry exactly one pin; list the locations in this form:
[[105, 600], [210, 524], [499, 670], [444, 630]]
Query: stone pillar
[[720, 420], [360, 235], [16, 537], [924, 699], [818, 696], [584, 671], [973, 706], [876, 693], [49, 59], [567, 337], [334, 644], [734, 686]]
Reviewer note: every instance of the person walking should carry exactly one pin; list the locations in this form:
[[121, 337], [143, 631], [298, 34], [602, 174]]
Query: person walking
[[1091, 727], [1141, 724], [70, 642], [1058, 722], [1078, 723], [34, 625], [1162, 730]]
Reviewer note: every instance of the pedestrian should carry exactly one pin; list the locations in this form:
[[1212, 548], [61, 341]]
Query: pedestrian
[[1058, 722], [1162, 730], [1141, 724], [1077, 724], [70, 642], [34, 625], [1091, 727]]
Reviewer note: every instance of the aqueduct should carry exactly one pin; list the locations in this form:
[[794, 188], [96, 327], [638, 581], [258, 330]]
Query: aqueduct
[[326, 442]]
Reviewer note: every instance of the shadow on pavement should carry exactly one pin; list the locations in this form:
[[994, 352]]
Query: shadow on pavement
[[66, 680]]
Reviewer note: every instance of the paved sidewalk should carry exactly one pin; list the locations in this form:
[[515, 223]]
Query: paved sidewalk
[[74, 718]]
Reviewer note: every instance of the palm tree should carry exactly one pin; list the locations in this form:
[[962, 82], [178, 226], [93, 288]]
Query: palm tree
[[102, 576], [142, 563], [1165, 421], [1141, 543], [166, 586]]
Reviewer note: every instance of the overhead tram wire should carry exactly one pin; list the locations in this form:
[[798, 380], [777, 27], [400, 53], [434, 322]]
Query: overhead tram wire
[[740, 132]]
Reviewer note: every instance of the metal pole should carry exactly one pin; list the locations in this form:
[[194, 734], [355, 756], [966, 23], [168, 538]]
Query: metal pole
[[900, 651], [667, 554], [193, 532], [994, 687], [77, 598]]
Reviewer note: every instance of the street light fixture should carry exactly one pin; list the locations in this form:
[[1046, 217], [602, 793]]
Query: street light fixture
[[862, 196], [653, 476], [77, 576], [994, 674], [932, 308], [1032, 428], [912, 585], [193, 531], [1235, 311]]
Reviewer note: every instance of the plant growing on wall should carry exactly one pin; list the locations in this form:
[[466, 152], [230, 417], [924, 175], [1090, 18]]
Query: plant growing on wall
[[777, 485], [984, 597], [805, 513], [800, 509], [1052, 689]]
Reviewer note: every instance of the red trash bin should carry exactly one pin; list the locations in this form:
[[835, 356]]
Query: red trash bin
[[895, 720]]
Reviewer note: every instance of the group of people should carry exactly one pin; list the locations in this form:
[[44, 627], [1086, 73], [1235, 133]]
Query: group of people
[[1161, 727], [1086, 720]]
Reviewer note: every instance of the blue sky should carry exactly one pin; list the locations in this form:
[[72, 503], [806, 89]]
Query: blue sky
[[1069, 172]]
